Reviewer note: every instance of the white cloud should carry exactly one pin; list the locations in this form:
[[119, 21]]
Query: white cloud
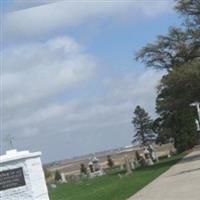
[[44, 82], [115, 107], [37, 76], [20, 5], [60, 15], [41, 70], [35, 80]]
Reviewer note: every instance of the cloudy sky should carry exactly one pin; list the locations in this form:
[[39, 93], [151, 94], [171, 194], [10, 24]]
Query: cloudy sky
[[69, 82]]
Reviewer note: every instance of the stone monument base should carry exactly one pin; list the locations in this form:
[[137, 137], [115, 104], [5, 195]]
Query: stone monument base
[[22, 177]]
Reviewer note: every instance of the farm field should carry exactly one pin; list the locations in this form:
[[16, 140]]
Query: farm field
[[73, 167]]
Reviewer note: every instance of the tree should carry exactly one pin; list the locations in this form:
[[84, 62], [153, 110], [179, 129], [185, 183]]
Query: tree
[[110, 162], [178, 53], [83, 169], [47, 173], [184, 130], [190, 9], [169, 51], [180, 45], [179, 88], [163, 133], [143, 125], [57, 176], [176, 91]]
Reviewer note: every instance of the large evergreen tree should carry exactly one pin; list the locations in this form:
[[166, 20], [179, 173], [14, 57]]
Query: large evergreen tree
[[179, 88], [163, 132], [143, 126], [176, 92]]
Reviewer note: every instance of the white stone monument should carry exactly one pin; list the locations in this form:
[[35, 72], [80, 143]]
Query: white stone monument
[[22, 176], [95, 167], [197, 121]]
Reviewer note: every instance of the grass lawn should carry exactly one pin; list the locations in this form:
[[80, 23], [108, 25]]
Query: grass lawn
[[112, 187]]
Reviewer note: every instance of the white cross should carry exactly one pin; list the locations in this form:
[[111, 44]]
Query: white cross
[[197, 105], [9, 139]]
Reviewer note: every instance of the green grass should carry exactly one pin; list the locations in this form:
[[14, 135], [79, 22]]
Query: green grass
[[112, 187]]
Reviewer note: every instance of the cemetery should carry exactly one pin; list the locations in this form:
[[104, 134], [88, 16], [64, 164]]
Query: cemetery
[[72, 167], [117, 183], [100, 100], [22, 176], [118, 177]]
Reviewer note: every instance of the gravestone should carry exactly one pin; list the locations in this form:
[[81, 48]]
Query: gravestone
[[95, 167], [22, 176], [63, 178], [128, 165]]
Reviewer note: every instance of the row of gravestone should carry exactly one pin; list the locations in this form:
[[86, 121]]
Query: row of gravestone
[[145, 157]]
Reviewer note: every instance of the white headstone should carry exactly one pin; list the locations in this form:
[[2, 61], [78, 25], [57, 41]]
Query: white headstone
[[63, 178], [22, 176]]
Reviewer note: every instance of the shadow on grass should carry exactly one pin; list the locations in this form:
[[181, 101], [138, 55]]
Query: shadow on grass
[[187, 171], [191, 158]]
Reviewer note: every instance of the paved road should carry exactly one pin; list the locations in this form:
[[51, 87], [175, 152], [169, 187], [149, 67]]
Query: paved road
[[180, 182]]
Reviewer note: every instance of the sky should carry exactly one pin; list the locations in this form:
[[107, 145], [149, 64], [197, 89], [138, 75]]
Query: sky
[[69, 81]]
